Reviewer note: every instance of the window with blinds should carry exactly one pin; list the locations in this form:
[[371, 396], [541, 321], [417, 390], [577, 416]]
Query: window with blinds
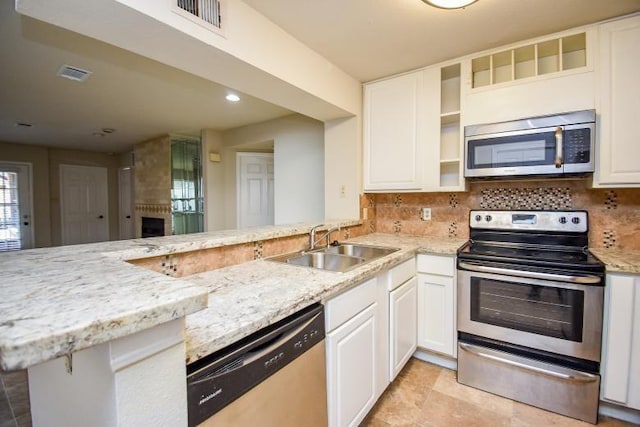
[[206, 10], [9, 212]]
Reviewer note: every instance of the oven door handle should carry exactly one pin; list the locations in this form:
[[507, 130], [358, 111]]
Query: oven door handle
[[588, 279], [570, 375]]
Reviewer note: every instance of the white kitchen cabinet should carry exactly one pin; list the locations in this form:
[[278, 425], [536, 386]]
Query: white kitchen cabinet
[[548, 75], [352, 339], [412, 138], [620, 366], [619, 104], [393, 133], [403, 324], [399, 286], [436, 304]]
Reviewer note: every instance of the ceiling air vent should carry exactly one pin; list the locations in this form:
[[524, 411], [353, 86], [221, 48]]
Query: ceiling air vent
[[206, 10], [73, 73]]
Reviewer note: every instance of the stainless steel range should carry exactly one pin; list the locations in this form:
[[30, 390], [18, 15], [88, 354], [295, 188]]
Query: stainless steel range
[[530, 301]]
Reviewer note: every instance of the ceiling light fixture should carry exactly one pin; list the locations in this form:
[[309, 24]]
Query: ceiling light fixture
[[449, 4], [232, 97]]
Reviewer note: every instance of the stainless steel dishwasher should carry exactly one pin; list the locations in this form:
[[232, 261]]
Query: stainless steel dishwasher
[[274, 377]]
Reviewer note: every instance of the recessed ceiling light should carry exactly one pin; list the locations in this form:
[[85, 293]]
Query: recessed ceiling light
[[232, 97], [449, 4]]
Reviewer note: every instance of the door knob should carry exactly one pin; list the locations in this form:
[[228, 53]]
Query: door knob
[[101, 216], [128, 217], [25, 223]]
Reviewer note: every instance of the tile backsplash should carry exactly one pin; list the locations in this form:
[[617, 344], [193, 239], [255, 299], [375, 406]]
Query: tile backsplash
[[614, 214]]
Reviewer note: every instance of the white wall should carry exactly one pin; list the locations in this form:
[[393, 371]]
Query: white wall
[[298, 146], [213, 178], [299, 173], [343, 168]]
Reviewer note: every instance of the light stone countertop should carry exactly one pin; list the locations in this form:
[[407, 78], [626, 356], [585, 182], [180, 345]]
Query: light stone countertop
[[55, 301], [247, 297], [618, 261]]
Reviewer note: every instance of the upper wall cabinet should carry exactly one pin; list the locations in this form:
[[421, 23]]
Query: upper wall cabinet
[[546, 76], [619, 104], [412, 138], [393, 133]]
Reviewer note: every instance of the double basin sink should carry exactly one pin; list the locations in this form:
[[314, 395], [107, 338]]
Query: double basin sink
[[339, 258]]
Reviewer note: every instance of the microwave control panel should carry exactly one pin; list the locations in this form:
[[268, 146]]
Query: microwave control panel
[[577, 145]]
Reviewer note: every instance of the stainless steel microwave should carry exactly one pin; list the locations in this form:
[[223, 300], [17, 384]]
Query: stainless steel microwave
[[549, 145]]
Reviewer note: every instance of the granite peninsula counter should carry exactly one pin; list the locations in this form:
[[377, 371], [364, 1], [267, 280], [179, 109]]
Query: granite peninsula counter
[[57, 301]]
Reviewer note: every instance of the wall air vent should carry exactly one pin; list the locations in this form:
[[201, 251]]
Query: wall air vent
[[73, 73], [208, 11]]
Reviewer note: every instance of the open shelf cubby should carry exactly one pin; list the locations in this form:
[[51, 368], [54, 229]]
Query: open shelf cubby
[[450, 83], [546, 57]]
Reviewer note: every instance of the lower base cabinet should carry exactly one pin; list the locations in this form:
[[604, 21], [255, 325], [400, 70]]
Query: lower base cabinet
[[436, 304], [352, 339], [620, 366], [403, 325]]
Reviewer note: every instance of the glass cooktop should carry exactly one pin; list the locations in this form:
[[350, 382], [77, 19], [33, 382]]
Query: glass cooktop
[[560, 257]]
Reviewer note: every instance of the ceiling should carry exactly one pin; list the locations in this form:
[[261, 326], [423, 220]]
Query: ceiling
[[138, 97], [141, 98], [369, 39]]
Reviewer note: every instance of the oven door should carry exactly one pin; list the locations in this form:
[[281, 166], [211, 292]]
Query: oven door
[[542, 311]]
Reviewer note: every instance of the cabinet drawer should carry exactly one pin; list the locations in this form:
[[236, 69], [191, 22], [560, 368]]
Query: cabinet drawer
[[345, 306], [401, 273], [437, 264]]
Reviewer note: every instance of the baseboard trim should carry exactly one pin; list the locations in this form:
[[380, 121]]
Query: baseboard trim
[[437, 359], [619, 412]]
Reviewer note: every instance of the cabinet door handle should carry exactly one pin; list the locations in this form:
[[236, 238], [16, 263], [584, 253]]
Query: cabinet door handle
[[101, 217], [559, 159]]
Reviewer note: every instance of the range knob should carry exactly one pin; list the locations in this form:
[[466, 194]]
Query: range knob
[[575, 220], [563, 220], [478, 218], [488, 218]]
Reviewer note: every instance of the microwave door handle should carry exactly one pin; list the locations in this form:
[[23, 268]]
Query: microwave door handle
[[559, 159]]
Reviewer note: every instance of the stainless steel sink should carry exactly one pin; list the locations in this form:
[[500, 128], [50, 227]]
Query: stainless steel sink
[[335, 258], [325, 261], [361, 251]]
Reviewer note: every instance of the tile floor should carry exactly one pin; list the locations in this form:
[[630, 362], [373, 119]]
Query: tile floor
[[425, 395], [14, 399]]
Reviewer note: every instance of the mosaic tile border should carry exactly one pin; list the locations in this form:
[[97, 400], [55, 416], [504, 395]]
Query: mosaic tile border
[[541, 198]]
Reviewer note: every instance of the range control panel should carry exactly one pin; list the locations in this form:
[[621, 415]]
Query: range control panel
[[564, 221]]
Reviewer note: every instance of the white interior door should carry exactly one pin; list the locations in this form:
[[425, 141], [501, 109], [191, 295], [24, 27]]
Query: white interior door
[[255, 189], [125, 203], [16, 223], [84, 204]]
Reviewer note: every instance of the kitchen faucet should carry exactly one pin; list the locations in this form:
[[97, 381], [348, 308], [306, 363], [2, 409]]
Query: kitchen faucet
[[312, 236]]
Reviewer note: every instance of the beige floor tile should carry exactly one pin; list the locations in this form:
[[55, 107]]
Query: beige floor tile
[[530, 416], [447, 384], [442, 410]]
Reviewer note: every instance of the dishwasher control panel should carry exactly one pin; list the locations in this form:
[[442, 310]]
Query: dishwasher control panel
[[218, 379]]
